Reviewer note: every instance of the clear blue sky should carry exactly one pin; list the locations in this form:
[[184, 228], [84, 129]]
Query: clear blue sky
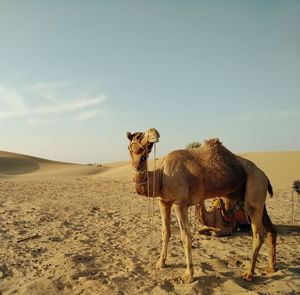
[[76, 75]]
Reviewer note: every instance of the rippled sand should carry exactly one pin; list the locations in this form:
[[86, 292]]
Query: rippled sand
[[78, 229]]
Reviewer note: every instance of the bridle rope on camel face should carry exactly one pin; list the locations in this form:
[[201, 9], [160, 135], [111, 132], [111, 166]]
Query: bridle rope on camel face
[[134, 169], [141, 144]]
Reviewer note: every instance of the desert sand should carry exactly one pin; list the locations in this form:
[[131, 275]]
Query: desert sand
[[80, 229]]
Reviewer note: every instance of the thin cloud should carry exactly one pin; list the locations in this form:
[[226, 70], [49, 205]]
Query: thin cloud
[[46, 90], [287, 114], [12, 103], [38, 122], [267, 115], [89, 115], [72, 106], [15, 104]]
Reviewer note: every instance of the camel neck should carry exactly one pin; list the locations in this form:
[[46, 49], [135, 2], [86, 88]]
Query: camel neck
[[141, 181], [147, 183]]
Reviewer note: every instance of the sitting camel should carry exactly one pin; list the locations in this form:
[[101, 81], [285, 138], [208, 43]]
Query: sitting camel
[[188, 177], [222, 218]]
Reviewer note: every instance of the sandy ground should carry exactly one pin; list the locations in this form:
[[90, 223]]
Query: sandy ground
[[76, 229]]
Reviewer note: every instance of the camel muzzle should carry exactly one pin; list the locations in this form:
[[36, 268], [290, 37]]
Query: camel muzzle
[[151, 135]]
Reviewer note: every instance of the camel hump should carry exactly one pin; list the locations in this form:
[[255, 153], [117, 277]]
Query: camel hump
[[222, 169], [212, 142]]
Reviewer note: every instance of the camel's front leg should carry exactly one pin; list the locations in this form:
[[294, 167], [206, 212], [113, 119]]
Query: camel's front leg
[[182, 216], [165, 211]]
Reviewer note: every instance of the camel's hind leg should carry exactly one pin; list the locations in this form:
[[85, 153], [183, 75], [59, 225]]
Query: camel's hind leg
[[165, 211], [182, 216], [272, 235], [257, 240], [256, 191]]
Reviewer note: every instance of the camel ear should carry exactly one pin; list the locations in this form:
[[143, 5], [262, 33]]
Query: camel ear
[[129, 135]]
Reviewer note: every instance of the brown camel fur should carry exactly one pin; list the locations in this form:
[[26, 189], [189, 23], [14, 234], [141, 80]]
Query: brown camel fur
[[188, 177], [212, 221], [222, 218]]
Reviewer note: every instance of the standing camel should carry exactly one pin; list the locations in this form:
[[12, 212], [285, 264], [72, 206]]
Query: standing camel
[[188, 177]]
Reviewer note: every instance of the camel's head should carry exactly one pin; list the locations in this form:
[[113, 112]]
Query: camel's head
[[140, 147]]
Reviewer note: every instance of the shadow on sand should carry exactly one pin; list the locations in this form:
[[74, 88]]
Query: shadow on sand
[[15, 166], [284, 230]]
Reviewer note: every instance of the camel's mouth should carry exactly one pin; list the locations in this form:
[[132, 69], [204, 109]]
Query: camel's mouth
[[152, 135]]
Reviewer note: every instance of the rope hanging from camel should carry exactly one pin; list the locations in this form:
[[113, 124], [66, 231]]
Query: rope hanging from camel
[[150, 216], [151, 208]]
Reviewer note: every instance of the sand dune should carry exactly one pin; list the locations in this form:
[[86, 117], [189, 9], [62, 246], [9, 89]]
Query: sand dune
[[15, 166], [281, 167], [77, 229], [28, 166]]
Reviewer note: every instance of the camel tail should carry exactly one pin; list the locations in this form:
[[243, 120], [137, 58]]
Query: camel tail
[[270, 189]]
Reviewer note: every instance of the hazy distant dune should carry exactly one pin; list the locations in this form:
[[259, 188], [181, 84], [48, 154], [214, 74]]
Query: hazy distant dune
[[281, 167], [23, 165]]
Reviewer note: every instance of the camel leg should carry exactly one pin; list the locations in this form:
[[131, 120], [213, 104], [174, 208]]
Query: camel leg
[[182, 216], [257, 240], [256, 191], [271, 235], [165, 211]]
